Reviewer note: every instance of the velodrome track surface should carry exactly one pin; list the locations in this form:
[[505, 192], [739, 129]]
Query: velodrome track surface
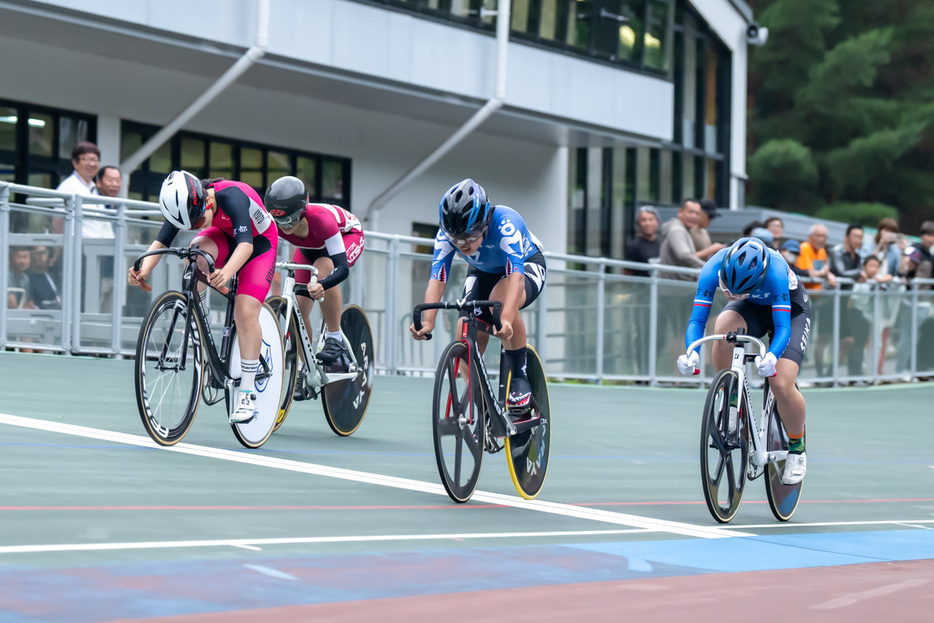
[[98, 524]]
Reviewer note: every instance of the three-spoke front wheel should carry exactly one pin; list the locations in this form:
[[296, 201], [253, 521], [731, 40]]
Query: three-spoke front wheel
[[724, 447], [169, 369], [458, 423]]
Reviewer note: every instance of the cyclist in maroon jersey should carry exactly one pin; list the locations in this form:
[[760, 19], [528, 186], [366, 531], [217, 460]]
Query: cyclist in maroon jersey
[[326, 236], [239, 234]]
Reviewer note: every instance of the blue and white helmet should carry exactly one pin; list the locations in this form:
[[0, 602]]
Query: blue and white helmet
[[465, 208], [745, 266]]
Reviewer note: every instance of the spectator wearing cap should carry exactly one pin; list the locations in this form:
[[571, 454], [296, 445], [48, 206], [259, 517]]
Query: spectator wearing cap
[[790, 250], [699, 234], [917, 263], [645, 245]]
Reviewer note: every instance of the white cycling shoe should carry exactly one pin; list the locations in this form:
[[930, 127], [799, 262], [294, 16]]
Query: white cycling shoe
[[246, 406], [795, 467]]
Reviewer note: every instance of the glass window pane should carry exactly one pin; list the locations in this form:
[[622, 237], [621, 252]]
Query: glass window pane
[[710, 107], [629, 33], [460, 8], [666, 194], [711, 185], [520, 15], [251, 167], [689, 91], [8, 121], [161, 160], [547, 25], [579, 15], [41, 132], [577, 178], [658, 36], [278, 164], [130, 142], [221, 160], [687, 176], [332, 174], [192, 153], [70, 132], [306, 170], [644, 175]]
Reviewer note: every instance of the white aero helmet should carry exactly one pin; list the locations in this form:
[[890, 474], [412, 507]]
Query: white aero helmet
[[181, 199]]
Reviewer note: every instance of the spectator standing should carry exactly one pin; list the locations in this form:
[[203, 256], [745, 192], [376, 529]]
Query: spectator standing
[[813, 259], [844, 261], [18, 280], [791, 249], [917, 263], [699, 234], [890, 245], [43, 290], [645, 245], [677, 245], [109, 183], [86, 160], [775, 225]]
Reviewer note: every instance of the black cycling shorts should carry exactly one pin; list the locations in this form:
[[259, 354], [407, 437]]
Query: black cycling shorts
[[479, 285], [759, 322]]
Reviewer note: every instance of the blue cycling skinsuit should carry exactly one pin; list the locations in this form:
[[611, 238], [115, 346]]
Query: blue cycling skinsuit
[[779, 307], [508, 247]]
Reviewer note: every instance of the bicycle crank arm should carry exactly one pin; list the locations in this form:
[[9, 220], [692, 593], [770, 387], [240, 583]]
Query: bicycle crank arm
[[523, 427]]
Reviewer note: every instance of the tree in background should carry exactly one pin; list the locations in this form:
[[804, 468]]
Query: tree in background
[[841, 109]]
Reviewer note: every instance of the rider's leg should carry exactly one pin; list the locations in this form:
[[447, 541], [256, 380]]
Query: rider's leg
[[727, 321], [210, 246], [333, 301], [788, 397]]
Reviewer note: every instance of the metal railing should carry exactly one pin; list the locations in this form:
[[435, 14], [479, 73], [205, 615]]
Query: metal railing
[[592, 322]]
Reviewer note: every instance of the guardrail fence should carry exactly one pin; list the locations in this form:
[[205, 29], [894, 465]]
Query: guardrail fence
[[592, 322]]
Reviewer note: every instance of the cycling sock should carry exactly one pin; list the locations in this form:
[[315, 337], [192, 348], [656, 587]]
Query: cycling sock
[[334, 334], [248, 369], [517, 362], [796, 444]]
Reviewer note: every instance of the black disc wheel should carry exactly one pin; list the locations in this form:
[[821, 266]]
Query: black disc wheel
[[724, 447], [783, 499], [169, 369], [345, 401], [279, 307], [458, 423], [527, 451]]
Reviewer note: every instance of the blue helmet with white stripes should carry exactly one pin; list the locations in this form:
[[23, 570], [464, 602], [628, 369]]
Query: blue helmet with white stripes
[[465, 209], [744, 266]]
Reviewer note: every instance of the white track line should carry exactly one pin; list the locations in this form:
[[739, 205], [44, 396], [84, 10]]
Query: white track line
[[255, 544], [819, 524], [553, 508]]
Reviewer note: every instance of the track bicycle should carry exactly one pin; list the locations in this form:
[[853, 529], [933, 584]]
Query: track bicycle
[[468, 419], [175, 338], [727, 458], [344, 387]]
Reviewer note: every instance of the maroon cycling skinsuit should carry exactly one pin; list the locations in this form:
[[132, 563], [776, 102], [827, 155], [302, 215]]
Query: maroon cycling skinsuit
[[239, 216], [332, 232]]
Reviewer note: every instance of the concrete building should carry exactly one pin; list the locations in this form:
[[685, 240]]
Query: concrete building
[[591, 108]]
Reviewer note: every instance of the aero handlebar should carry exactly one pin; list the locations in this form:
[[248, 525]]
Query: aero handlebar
[[495, 308]]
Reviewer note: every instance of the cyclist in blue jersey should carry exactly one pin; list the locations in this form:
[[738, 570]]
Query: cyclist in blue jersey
[[505, 264], [764, 298]]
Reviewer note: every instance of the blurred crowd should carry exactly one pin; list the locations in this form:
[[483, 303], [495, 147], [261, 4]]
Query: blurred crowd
[[859, 264]]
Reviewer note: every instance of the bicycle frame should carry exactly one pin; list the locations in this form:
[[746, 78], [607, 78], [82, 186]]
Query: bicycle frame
[[759, 456], [315, 374]]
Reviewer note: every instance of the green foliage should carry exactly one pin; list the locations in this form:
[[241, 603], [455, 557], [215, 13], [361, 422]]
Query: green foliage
[[842, 105], [866, 214]]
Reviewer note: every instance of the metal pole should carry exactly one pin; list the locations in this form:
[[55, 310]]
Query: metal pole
[[117, 293], [4, 255], [77, 239], [835, 342], [653, 324], [601, 318], [541, 314], [392, 261], [914, 330]]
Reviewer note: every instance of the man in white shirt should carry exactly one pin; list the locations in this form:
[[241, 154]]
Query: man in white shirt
[[86, 159]]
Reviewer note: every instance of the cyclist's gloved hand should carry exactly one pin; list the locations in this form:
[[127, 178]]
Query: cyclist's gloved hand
[[766, 364], [689, 364]]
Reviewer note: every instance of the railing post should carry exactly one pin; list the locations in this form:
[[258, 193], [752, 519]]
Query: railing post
[[913, 370], [653, 324], [392, 270], [601, 317], [4, 256], [835, 343], [541, 314], [71, 275], [117, 293]]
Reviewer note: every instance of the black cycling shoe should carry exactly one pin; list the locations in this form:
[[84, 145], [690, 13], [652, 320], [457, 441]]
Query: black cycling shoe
[[333, 349], [520, 394]]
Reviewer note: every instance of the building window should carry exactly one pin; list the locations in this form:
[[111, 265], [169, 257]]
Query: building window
[[327, 178]]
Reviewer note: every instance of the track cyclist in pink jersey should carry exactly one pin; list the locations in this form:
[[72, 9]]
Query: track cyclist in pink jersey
[[326, 236], [237, 231]]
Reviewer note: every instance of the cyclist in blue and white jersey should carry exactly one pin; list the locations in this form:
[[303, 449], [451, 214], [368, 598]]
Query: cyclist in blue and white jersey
[[506, 264], [764, 298]]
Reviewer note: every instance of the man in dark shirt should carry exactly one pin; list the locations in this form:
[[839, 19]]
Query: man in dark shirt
[[43, 290], [845, 261], [646, 245]]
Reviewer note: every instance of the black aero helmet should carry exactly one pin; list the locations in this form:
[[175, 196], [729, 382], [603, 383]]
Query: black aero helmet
[[744, 266], [285, 200], [465, 208]]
